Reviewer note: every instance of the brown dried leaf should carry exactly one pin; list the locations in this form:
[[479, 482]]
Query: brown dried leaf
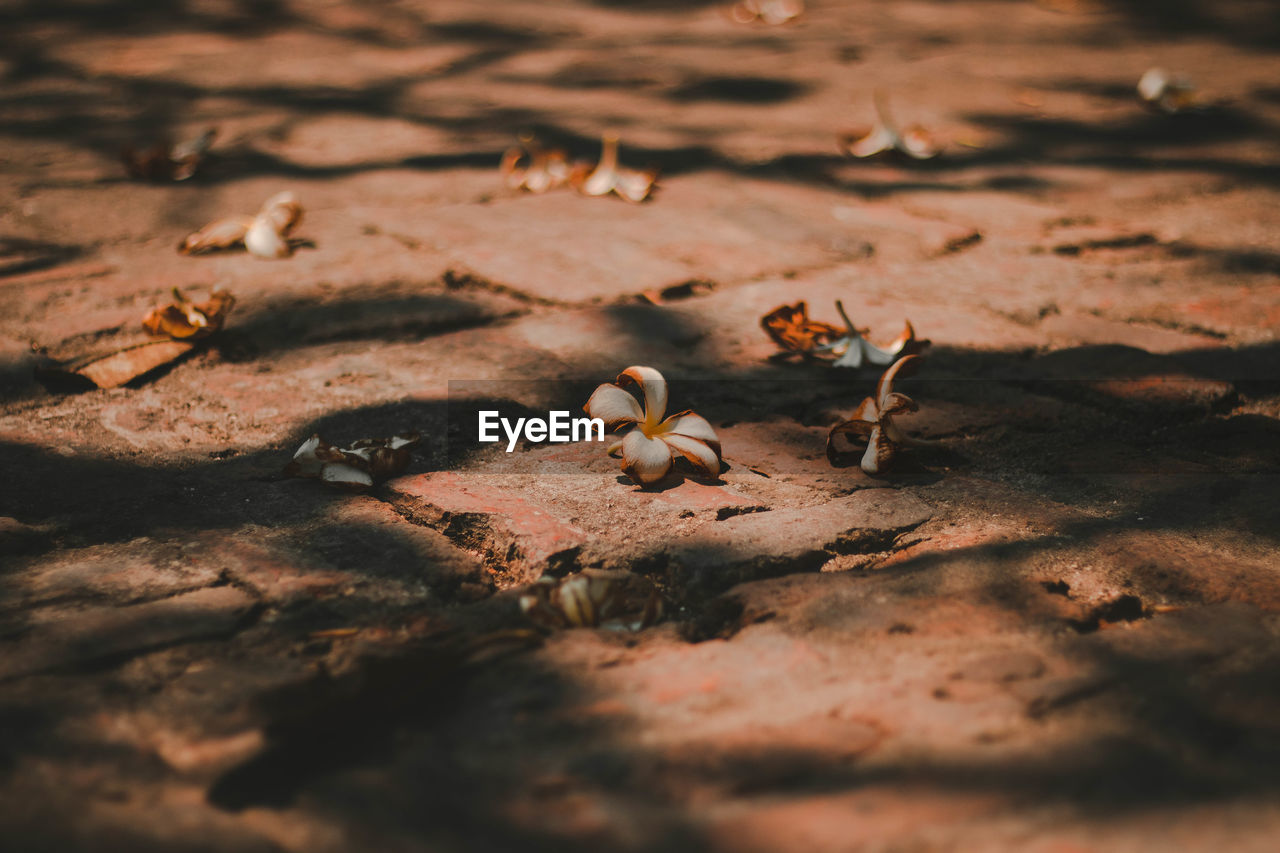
[[789, 327], [186, 320], [114, 369]]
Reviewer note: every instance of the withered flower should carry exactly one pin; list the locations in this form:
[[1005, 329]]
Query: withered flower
[[356, 466], [165, 162], [534, 169], [1169, 93], [649, 448], [789, 327], [265, 235], [772, 12], [593, 598], [853, 349], [914, 142], [630, 184], [874, 420], [185, 320]]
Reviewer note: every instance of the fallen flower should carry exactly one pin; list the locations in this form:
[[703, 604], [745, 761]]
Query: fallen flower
[[543, 168], [914, 142], [593, 598], [853, 348], [115, 368], [165, 162], [874, 419], [771, 12], [355, 466], [648, 449], [789, 327], [265, 235], [1169, 93], [630, 184], [185, 320]]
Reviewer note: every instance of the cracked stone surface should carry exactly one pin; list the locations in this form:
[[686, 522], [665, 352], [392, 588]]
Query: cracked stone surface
[[1057, 629]]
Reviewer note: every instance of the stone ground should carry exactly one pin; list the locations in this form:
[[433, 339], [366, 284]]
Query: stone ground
[[1056, 632]]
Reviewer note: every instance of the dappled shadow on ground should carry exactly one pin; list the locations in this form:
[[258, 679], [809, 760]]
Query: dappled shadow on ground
[[103, 110]]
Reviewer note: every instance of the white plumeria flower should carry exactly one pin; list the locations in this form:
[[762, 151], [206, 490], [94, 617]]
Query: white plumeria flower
[[853, 349], [631, 184], [265, 235], [1170, 93], [649, 448], [884, 136]]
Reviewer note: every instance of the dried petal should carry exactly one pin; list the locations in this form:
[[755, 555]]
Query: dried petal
[[356, 466], [771, 12], [915, 142], [789, 327], [645, 460], [874, 419], [187, 320], [592, 598], [165, 162], [222, 234], [630, 184], [283, 211], [879, 453], [349, 476], [546, 169]]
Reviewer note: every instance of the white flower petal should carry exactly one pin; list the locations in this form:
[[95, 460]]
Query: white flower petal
[[699, 453], [693, 426], [645, 460], [879, 452], [853, 353], [605, 176], [345, 475], [263, 240], [614, 406]]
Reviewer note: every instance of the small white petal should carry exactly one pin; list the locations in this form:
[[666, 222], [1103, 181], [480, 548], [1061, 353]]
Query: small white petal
[[645, 460], [263, 240], [345, 475]]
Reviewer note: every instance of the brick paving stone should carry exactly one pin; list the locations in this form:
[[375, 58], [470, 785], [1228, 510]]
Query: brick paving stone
[[72, 637]]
